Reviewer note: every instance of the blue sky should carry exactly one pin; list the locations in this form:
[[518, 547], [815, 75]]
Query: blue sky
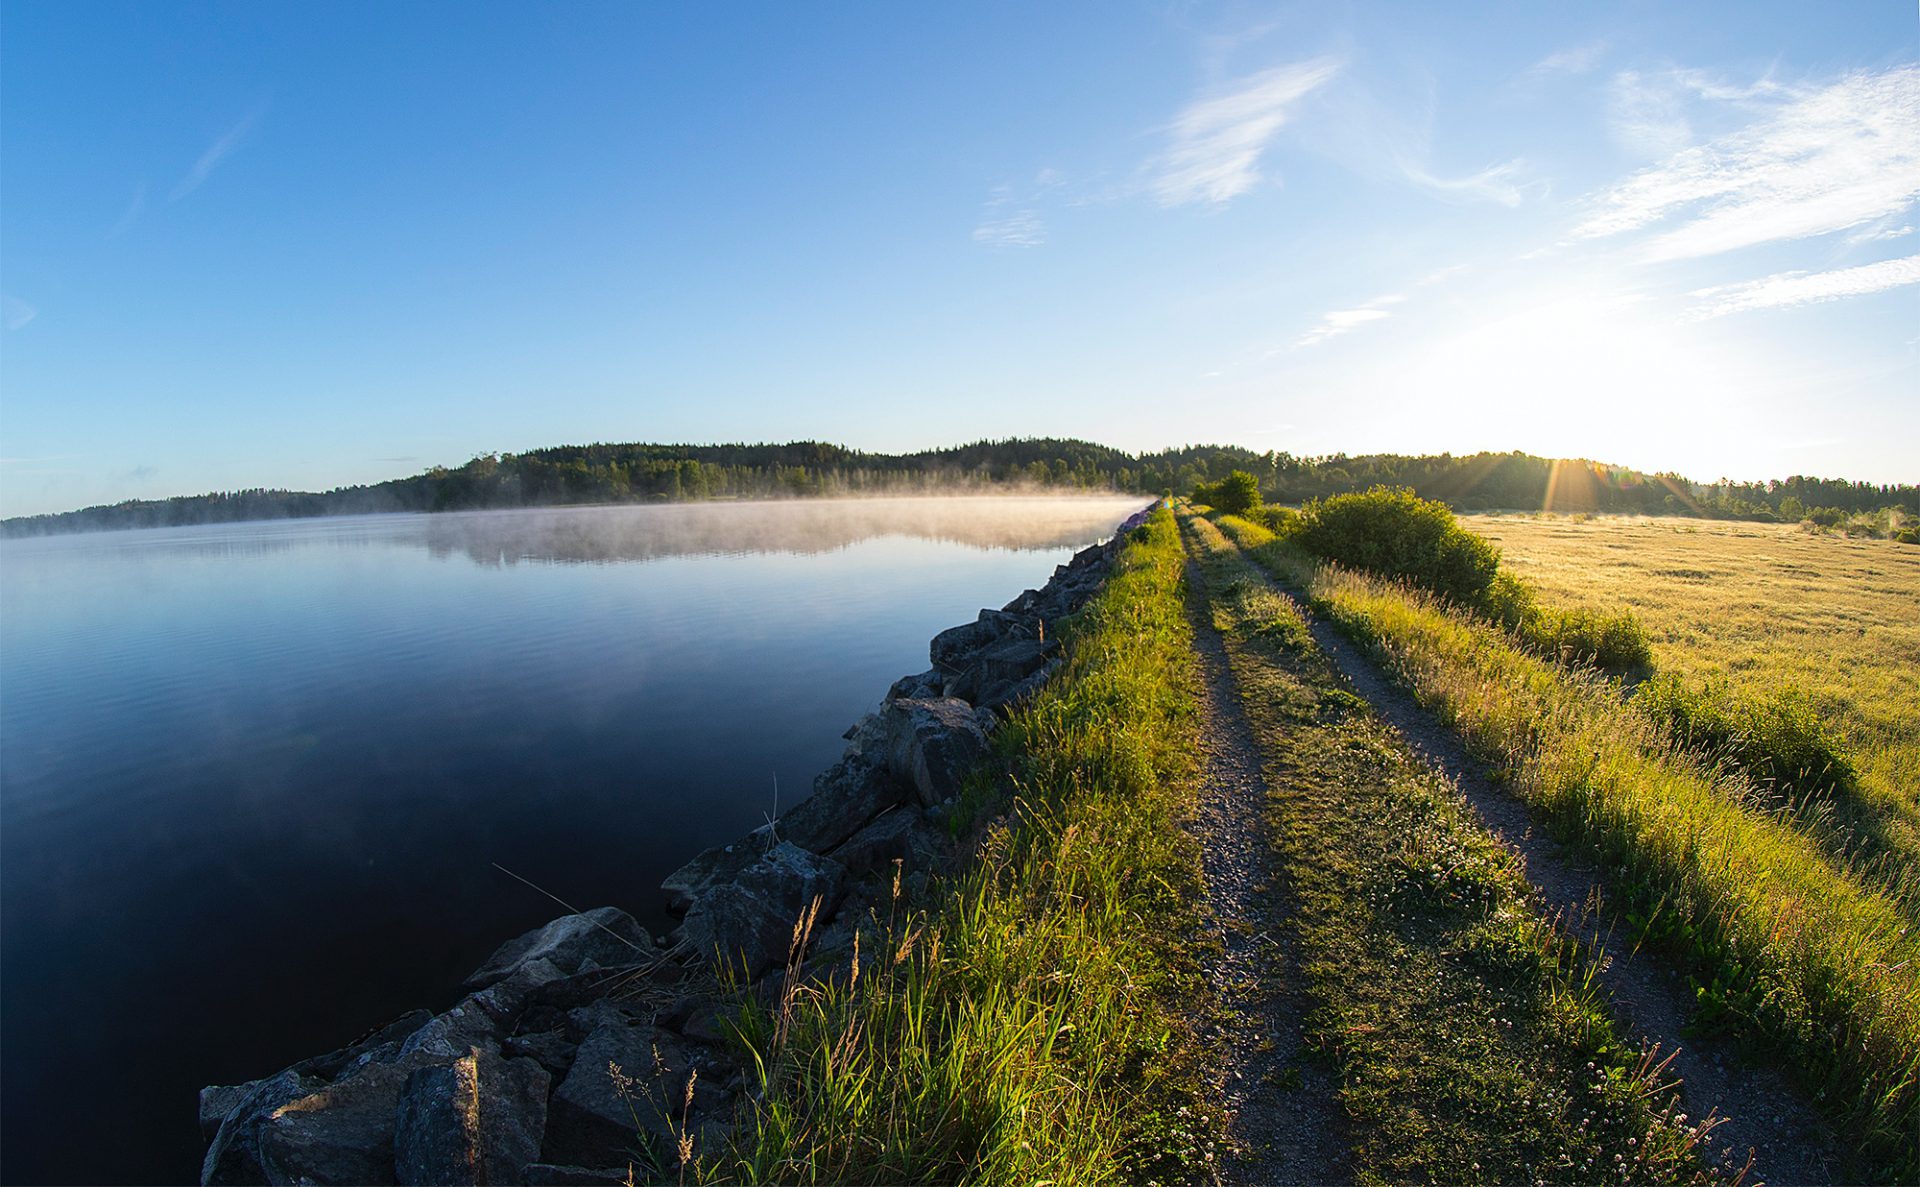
[[310, 245]]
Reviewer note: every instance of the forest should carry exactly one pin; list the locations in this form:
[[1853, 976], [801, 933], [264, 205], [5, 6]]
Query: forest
[[646, 473]]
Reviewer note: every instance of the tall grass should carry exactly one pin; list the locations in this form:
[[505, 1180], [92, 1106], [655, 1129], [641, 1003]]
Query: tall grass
[[1785, 945], [1778, 741], [1026, 1020]]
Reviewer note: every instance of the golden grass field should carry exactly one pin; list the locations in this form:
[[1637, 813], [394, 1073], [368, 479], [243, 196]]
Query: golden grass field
[[1764, 605]]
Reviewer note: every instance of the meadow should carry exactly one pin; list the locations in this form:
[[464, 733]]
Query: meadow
[[1765, 608]]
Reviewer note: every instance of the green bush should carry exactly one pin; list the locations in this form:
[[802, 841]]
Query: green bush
[[1394, 532], [1236, 494], [1281, 521], [1616, 642], [1778, 741]]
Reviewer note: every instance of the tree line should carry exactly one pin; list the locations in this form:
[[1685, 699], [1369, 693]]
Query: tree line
[[648, 473]]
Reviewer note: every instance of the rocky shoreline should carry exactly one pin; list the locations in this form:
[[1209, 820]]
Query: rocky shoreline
[[585, 1050]]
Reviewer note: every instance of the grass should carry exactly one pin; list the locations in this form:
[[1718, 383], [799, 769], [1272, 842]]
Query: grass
[[1471, 1042], [1786, 945], [1029, 1019], [1771, 613]]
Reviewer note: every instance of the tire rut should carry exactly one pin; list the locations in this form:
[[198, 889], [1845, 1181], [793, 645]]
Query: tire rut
[[1763, 1117], [1285, 1125]]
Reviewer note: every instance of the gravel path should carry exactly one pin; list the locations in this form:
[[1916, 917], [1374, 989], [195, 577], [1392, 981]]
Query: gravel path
[[1285, 1124], [1764, 1115]]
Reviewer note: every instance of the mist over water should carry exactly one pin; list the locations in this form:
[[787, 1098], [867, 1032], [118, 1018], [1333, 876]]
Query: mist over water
[[252, 777]]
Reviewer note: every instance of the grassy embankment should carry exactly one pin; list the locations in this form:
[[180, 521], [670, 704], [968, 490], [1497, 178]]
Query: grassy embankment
[[1769, 607], [1472, 1044], [1026, 1020], [1785, 946]]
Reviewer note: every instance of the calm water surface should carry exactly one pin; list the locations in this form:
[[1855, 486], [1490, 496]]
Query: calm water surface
[[253, 777]]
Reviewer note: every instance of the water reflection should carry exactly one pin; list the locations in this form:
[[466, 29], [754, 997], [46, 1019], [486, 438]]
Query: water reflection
[[595, 535]]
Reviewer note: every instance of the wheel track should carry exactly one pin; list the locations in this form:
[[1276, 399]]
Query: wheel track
[[1284, 1120]]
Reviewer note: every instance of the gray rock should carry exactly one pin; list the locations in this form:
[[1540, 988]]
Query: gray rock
[[749, 921], [307, 1132], [606, 934], [902, 833], [449, 1036], [915, 687], [1000, 666], [234, 1154], [845, 796], [866, 737], [620, 1096], [479, 1119], [1002, 699], [217, 1101], [381, 1046], [933, 744], [503, 1000], [715, 866], [951, 648], [1024, 604], [551, 1049]]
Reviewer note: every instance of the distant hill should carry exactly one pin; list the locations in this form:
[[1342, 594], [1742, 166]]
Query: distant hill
[[644, 473]]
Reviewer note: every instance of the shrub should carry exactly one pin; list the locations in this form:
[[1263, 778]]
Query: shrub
[[1778, 741], [1616, 642], [1239, 494], [1236, 494], [1394, 532], [1281, 521]]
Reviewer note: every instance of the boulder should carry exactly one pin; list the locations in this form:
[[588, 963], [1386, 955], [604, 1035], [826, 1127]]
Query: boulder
[[623, 1092], [922, 684], [551, 1049], [380, 1046], [951, 648], [503, 1000], [845, 796], [932, 744], [749, 921], [479, 1119], [902, 833], [1004, 698], [999, 667], [234, 1154], [711, 868], [865, 737], [447, 1037], [298, 1130], [605, 934]]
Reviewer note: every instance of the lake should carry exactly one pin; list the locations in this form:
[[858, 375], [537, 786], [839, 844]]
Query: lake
[[254, 778]]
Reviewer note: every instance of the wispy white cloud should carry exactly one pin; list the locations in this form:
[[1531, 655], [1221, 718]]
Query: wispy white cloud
[[218, 151], [1009, 218], [1786, 289], [1646, 116], [1821, 160], [1218, 141], [15, 313], [136, 206], [1505, 184], [1879, 234], [1022, 228], [1581, 59], [1338, 322]]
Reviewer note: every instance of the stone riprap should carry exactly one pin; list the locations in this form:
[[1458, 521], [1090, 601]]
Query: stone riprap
[[583, 1049]]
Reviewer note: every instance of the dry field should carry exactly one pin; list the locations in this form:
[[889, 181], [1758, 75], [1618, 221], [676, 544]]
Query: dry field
[[1764, 605]]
